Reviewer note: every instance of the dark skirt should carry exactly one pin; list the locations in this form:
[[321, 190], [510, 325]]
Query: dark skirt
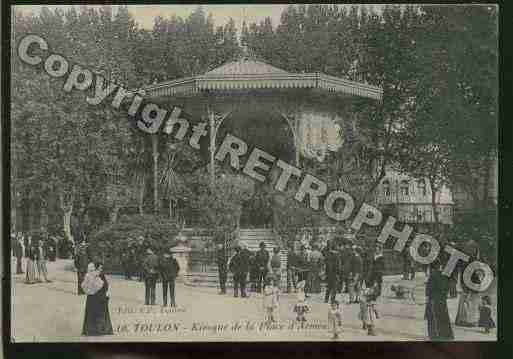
[[485, 318], [97, 317], [438, 321]]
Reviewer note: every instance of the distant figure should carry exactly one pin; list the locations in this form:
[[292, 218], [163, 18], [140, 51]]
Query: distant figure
[[291, 269], [253, 273], [437, 314], [346, 256], [276, 267], [41, 257], [222, 262], [368, 312], [150, 270], [97, 317], [302, 268], [271, 300], [261, 260], [169, 269], [355, 276], [301, 307], [408, 265], [453, 279], [239, 266], [332, 269], [125, 263], [18, 253], [335, 319], [31, 276], [139, 258], [81, 262], [485, 314], [377, 269], [315, 265], [468, 304]]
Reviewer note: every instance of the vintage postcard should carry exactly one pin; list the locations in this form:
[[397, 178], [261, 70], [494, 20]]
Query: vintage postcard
[[251, 173]]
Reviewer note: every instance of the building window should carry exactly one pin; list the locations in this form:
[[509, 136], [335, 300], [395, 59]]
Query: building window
[[422, 187], [405, 188], [420, 216], [386, 188]]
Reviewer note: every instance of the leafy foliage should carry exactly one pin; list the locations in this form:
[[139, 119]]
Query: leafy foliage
[[112, 239]]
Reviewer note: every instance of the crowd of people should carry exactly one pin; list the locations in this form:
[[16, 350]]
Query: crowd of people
[[37, 249], [347, 268], [342, 266]]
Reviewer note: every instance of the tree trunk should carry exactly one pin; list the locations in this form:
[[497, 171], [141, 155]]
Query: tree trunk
[[43, 222], [154, 141], [67, 209], [433, 203], [14, 213], [140, 198], [170, 208], [486, 182]]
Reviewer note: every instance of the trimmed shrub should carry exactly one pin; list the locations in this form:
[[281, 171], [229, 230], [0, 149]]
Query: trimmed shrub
[[109, 242]]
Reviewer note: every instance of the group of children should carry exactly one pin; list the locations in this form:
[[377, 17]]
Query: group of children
[[368, 312]]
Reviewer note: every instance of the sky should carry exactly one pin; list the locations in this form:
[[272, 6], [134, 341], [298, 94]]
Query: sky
[[144, 14]]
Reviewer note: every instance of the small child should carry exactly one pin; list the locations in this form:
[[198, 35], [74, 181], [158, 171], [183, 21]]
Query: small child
[[368, 312], [301, 307], [485, 314], [334, 319], [271, 301]]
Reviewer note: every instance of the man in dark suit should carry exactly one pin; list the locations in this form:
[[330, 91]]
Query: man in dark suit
[[221, 261], [355, 275], [41, 258], [150, 269], [291, 269], [239, 266], [169, 269], [81, 262], [261, 261], [18, 253], [377, 269], [346, 257], [332, 268]]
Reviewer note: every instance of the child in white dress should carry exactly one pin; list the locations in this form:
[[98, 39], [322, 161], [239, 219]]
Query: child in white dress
[[301, 307], [335, 319], [271, 301]]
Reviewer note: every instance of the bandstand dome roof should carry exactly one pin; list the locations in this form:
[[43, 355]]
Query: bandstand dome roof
[[247, 74]]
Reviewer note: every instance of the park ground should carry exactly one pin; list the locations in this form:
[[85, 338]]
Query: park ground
[[53, 312]]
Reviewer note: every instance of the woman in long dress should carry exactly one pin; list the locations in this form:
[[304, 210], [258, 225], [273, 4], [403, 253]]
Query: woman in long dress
[[97, 317], [468, 305], [31, 276], [437, 313]]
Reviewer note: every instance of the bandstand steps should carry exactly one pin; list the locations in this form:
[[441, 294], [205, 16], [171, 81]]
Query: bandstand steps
[[251, 238]]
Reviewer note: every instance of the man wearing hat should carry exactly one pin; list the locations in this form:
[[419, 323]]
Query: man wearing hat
[[17, 247], [150, 270], [169, 269], [81, 262], [261, 261], [377, 269], [355, 275], [221, 261], [239, 266], [332, 268]]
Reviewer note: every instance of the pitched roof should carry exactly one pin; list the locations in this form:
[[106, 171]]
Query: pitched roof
[[245, 67], [247, 74]]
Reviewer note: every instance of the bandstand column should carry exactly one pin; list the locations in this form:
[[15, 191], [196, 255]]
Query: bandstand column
[[211, 119]]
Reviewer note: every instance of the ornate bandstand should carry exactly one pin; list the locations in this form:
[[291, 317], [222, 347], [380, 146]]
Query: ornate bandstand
[[248, 91]]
